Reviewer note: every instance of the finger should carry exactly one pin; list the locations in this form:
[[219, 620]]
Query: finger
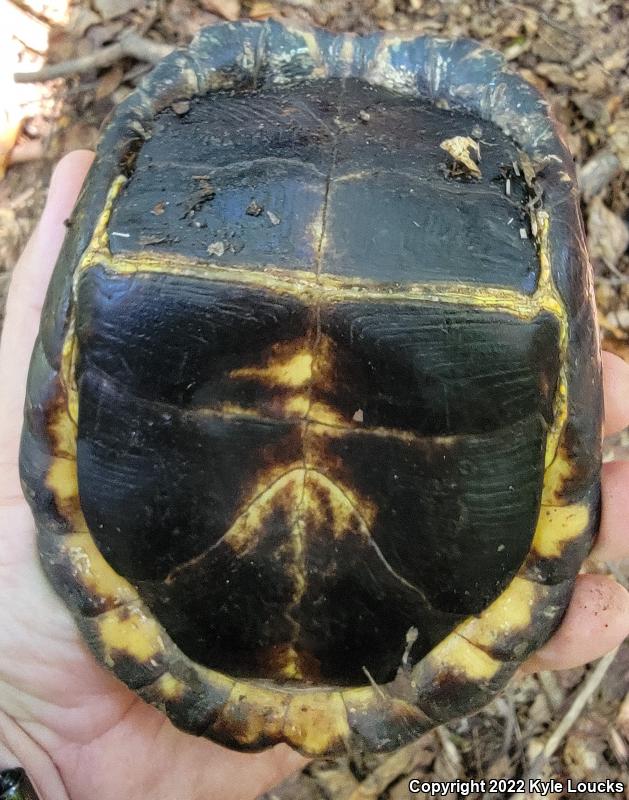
[[26, 296], [616, 390], [597, 620], [612, 543]]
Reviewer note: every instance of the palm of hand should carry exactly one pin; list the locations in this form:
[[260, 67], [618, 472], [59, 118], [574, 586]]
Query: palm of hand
[[77, 730]]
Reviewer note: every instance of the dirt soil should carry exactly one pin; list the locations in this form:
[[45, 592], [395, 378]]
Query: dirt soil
[[576, 52]]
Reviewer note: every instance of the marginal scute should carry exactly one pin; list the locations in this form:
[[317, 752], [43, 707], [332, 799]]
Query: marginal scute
[[317, 721], [558, 525], [455, 655], [130, 630], [93, 571], [172, 80], [380, 721], [253, 716], [510, 613]]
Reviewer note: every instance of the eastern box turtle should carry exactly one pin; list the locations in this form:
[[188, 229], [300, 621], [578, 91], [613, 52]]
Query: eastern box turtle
[[313, 423]]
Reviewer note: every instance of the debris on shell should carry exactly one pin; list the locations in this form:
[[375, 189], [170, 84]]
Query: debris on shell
[[254, 209], [273, 218], [181, 107], [216, 249], [528, 170], [459, 148]]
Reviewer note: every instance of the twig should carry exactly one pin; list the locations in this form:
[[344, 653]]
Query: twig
[[401, 762], [450, 751], [551, 690], [588, 687], [32, 12], [131, 45]]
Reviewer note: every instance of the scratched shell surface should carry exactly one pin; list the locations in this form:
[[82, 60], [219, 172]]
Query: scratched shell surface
[[313, 422]]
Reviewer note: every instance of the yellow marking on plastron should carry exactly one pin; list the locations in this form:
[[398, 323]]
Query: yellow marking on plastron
[[251, 713], [169, 687], [455, 654], [62, 481], [557, 475], [324, 414], [546, 289], [510, 613], [99, 243], [558, 525], [132, 631], [290, 371], [248, 529], [316, 721], [94, 572], [298, 404]]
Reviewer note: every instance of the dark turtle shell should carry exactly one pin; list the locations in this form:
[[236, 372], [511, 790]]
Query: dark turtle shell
[[313, 423]]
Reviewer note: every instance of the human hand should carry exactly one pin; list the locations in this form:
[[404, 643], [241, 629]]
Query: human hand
[[80, 733]]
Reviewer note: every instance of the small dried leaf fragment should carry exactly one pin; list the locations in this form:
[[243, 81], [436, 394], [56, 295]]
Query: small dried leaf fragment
[[254, 209], [608, 234], [273, 218], [180, 107], [216, 249], [262, 9], [109, 82], [460, 149], [111, 9], [228, 9]]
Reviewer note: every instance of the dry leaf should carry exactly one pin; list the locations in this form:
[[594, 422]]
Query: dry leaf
[[228, 9], [557, 74], [459, 147], [110, 9], [622, 719], [216, 249], [608, 235], [619, 137], [580, 758], [597, 173], [261, 9], [81, 18], [109, 82]]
